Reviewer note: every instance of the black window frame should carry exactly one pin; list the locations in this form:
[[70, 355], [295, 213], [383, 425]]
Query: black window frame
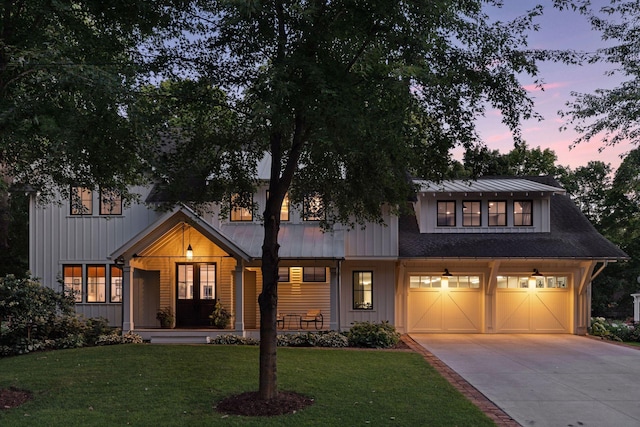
[[442, 220], [319, 212], [473, 215], [110, 202], [499, 215], [359, 303], [233, 208], [314, 277], [77, 205], [522, 215]]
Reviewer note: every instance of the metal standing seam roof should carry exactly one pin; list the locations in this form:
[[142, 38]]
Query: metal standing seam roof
[[506, 185]]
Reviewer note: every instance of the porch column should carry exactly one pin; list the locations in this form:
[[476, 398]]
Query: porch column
[[334, 299], [239, 288], [127, 298]]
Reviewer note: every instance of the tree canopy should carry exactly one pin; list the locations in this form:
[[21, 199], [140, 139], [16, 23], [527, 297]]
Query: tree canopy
[[612, 116], [66, 70]]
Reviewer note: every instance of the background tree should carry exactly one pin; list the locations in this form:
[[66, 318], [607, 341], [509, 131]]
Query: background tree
[[347, 98], [612, 116]]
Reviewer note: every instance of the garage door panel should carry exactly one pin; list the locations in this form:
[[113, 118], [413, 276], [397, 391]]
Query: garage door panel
[[444, 311], [531, 311], [425, 311], [462, 312], [551, 314]]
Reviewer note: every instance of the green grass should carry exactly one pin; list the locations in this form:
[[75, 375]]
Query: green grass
[[171, 385]]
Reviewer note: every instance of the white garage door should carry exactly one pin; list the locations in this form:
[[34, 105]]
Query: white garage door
[[437, 306], [525, 307]]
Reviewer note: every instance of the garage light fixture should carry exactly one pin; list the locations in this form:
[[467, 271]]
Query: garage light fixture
[[536, 274]]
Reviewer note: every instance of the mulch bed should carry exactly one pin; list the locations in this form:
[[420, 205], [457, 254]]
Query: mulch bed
[[13, 397]]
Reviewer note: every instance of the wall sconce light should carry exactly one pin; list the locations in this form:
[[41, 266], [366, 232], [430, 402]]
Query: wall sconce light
[[445, 278], [189, 252], [536, 274]]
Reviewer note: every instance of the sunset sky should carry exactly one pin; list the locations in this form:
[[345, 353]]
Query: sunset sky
[[558, 30]]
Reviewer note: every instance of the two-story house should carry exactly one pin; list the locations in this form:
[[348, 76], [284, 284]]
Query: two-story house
[[499, 255]]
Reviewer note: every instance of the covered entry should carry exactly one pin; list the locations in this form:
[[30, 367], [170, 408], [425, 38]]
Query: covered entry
[[444, 303]]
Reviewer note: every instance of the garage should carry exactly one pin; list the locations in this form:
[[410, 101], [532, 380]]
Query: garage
[[444, 304], [533, 304]]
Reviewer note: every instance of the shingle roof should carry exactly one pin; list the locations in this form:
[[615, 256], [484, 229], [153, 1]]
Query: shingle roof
[[571, 236]]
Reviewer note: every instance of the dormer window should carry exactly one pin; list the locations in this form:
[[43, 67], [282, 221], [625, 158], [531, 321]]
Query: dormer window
[[522, 213], [497, 213], [446, 214], [471, 214]]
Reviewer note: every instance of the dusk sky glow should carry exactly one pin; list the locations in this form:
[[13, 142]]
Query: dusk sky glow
[[558, 30]]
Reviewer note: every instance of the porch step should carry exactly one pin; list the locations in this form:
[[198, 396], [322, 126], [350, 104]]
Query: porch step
[[178, 339]]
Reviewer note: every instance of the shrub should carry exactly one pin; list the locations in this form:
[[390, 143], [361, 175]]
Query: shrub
[[373, 335], [230, 339], [220, 316], [614, 330], [116, 337]]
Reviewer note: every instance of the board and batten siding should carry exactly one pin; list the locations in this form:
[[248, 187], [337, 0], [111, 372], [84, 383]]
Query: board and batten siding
[[375, 241], [384, 279]]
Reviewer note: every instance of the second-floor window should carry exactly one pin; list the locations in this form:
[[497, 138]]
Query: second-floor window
[[284, 210], [110, 202], [497, 213], [313, 207], [446, 214], [239, 207], [81, 201], [471, 214], [522, 213]]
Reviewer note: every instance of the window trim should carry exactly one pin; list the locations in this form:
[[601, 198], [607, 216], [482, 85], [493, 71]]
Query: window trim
[[445, 215], [285, 214], [504, 203], [97, 284], [320, 213], [78, 297], [314, 277], [473, 215], [78, 196], [281, 275], [246, 214], [114, 204], [363, 291], [522, 214], [113, 267]]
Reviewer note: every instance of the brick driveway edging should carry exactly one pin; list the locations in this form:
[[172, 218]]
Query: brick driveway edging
[[496, 414]]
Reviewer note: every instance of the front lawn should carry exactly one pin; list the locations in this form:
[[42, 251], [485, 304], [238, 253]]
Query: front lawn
[[156, 385]]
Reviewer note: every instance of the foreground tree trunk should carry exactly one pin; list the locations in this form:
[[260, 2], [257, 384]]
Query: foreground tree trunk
[[268, 301]]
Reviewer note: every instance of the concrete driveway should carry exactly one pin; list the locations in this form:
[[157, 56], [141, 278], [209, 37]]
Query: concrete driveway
[[547, 380]]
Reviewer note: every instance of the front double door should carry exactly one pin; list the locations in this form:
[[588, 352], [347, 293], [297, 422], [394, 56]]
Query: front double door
[[196, 294]]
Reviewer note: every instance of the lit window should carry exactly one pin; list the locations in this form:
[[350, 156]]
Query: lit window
[[522, 213], [363, 290], [96, 283], [116, 284], [72, 279], [471, 214], [314, 274], [208, 281], [81, 201], [110, 202], [446, 214], [497, 213], [313, 207], [420, 281], [519, 282], [241, 207], [284, 210], [185, 281]]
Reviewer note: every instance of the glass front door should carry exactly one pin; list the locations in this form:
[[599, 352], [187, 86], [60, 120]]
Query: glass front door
[[196, 294]]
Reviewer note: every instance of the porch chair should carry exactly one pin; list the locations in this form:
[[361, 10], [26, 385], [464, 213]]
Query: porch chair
[[312, 316], [280, 320]]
